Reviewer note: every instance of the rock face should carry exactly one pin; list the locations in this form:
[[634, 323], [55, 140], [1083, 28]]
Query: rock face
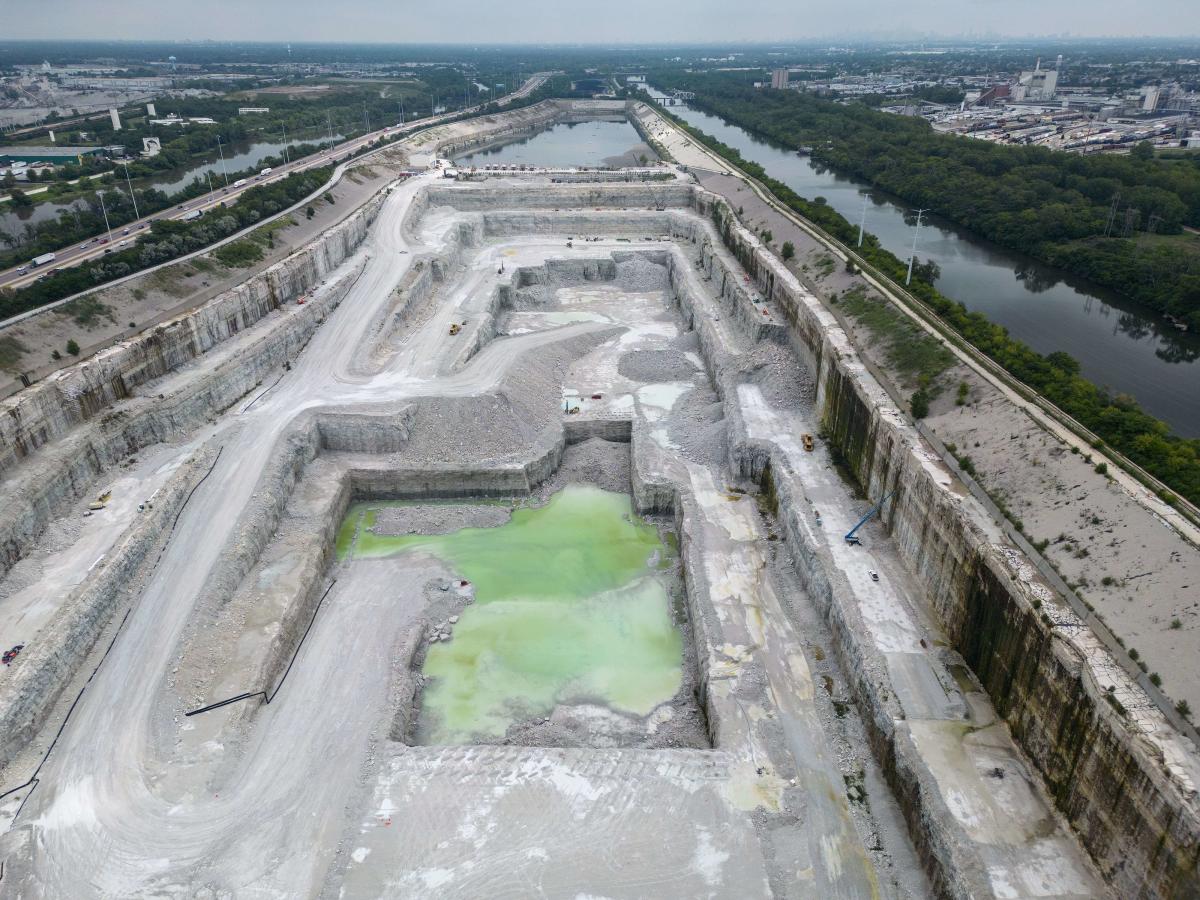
[[62, 433], [1110, 770]]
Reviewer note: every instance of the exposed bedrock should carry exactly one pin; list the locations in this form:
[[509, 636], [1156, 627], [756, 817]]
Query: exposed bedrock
[[29, 692], [1109, 773], [69, 422]]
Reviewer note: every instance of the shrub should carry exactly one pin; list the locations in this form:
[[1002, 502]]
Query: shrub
[[72, 347], [1101, 468], [1156, 679], [789, 250], [1183, 708], [1176, 624], [919, 404]]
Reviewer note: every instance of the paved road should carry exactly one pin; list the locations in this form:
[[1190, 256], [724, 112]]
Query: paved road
[[123, 237]]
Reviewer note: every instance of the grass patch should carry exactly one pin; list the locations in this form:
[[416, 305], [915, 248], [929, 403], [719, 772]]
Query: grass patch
[[239, 254], [910, 350], [250, 249], [169, 281], [10, 352], [824, 265], [88, 311]]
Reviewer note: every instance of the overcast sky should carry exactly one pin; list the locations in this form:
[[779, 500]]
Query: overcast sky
[[602, 21]]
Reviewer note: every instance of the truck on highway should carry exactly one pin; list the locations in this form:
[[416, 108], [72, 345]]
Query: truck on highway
[[239, 182], [191, 215], [265, 172], [42, 260]]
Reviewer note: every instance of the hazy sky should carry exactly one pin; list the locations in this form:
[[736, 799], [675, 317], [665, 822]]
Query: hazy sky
[[615, 21]]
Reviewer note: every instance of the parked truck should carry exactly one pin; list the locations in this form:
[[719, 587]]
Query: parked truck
[[42, 260]]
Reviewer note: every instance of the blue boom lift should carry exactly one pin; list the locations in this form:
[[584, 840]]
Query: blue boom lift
[[850, 538]]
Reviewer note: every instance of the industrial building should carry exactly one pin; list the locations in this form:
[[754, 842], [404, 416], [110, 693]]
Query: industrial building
[[56, 155]]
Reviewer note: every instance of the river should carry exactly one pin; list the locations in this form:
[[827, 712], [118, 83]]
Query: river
[[1118, 345], [238, 156]]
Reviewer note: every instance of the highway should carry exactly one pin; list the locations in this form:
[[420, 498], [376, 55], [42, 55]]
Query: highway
[[122, 238]]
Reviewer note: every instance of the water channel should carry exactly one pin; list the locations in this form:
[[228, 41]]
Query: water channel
[[593, 143], [239, 156], [1118, 345]]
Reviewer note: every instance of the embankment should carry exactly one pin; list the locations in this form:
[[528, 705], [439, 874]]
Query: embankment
[[1108, 770], [57, 437]]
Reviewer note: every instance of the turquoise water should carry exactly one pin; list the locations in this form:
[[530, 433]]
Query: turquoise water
[[571, 605]]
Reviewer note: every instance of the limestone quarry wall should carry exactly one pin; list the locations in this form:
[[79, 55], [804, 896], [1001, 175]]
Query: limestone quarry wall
[[60, 435], [1141, 826], [50, 408], [29, 691]]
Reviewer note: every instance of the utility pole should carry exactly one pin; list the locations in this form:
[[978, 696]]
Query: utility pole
[[402, 111], [223, 169], [104, 212], [286, 158], [863, 221], [208, 175], [913, 256], [366, 119], [136, 215], [329, 125]]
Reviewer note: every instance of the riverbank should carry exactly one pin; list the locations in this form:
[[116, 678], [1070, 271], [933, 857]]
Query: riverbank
[[1119, 345]]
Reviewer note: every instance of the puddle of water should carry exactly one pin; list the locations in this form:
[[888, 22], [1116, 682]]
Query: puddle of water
[[571, 605]]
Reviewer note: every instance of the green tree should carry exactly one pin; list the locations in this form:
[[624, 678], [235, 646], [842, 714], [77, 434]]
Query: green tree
[[920, 404], [789, 250], [1142, 150], [20, 198]]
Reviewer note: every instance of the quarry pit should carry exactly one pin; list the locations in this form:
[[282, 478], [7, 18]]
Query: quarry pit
[[520, 546]]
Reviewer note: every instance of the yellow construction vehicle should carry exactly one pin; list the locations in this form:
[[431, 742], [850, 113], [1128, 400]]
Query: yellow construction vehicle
[[807, 440]]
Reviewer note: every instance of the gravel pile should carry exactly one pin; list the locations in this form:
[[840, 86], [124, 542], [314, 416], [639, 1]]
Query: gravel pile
[[785, 383], [505, 424], [603, 463], [697, 426], [653, 366], [441, 518], [638, 273]]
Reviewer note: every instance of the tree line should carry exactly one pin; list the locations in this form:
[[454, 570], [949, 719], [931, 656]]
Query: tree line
[[167, 239], [1100, 216], [1118, 420]]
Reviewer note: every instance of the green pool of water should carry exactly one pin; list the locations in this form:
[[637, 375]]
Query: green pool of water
[[571, 604]]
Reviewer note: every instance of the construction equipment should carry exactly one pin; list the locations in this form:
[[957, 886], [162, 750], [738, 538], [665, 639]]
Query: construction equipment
[[807, 440], [850, 538], [455, 328]]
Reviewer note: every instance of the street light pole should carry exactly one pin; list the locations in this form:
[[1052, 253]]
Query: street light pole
[[104, 212], [286, 158], [223, 169], [129, 183]]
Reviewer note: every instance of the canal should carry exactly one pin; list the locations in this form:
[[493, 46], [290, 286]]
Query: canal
[[1118, 345], [594, 143]]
